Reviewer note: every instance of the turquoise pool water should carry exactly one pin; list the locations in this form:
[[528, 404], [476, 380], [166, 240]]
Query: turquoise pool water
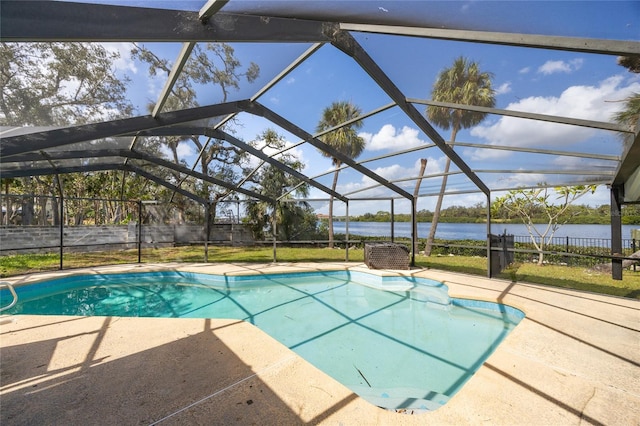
[[398, 342]]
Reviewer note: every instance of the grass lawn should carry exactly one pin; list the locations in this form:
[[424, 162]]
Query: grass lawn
[[579, 278], [576, 277]]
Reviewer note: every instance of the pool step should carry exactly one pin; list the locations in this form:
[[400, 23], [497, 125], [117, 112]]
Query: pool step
[[407, 399]]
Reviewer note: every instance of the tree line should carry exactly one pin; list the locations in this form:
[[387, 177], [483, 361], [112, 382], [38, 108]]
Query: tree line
[[579, 214]]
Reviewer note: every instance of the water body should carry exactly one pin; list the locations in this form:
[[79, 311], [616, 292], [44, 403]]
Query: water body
[[400, 343], [473, 231]]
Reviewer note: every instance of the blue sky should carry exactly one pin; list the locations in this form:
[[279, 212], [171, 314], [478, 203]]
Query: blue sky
[[535, 80]]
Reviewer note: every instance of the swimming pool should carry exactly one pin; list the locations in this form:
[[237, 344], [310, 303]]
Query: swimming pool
[[398, 342]]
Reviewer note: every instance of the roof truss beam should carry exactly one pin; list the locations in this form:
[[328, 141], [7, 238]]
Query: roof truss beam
[[345, 42], [168, 185], [529, 115], [629, 163], [540, 151], [38, 20], [64, 136], [380, 157], [210, 8], [124, 153], [180, 62], [573, 44], [67, 155], [281, 166], [202, 176], [61, 170], [580, 172], [258, 109]]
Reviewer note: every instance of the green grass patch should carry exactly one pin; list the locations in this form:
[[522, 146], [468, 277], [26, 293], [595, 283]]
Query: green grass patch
[[574, 277]]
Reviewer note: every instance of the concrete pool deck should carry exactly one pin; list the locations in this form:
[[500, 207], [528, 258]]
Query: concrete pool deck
[[574, 359]]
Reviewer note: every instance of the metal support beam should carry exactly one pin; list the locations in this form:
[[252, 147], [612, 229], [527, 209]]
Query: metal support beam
[[198, 175], [581, 172], [207, 230], [211, 8], [64, 136], [61, 229], [219, 134], [104, 167], [603, 125], [629, 162], [156, 179], [275, 232], [488, 240], [186, 130], [258, 109], [414, 228], [38, 20], [540, 151], [139, 231], [66, 155], [183, 56], [62, 155], [346, 43], [392, 221], [346, 232], [286, 71], [572, 44], [616, 231], [61, 170]]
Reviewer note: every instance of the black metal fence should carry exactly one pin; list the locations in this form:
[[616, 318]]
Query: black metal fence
[[570, 251]]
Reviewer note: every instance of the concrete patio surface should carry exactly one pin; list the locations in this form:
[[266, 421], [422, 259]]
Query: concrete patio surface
[[574, 359]]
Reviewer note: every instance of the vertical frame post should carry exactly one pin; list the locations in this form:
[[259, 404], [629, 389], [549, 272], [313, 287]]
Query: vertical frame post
[[413, 232], [414, 226], [275, 232], [207, 230], [140, 231], [346, 224], [489, 271], [61, 229], [392, 221], [616, 232]]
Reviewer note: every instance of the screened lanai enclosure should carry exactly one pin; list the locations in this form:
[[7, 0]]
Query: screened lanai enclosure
[[287, 111]]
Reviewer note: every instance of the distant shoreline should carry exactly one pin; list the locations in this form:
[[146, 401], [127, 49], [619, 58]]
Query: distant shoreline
[[476, 231]]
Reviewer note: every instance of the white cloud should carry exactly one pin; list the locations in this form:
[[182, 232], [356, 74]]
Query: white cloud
[[552, 67], [585, 102], [583, 163], [525, 70], [125, 62], [155, 84], [520, 180], [393, 172], [295, 152], [184, 150], [504, 88], [388, 137]]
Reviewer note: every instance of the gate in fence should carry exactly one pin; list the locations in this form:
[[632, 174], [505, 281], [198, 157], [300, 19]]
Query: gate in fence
[[502, 254]]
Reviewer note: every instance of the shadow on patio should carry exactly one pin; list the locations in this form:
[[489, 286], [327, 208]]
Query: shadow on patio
[[165, 372]]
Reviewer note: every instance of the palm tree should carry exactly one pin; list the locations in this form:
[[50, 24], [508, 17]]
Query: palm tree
[[631, 112], [465, 84], [345, 140]]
